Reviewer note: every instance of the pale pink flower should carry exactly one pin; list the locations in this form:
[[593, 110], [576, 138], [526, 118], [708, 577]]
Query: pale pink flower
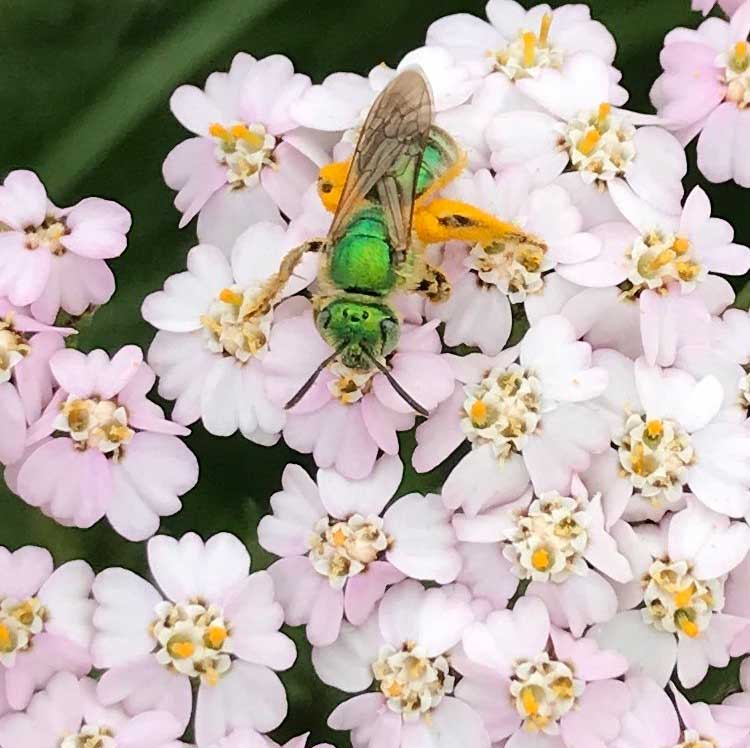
[[486, 282], [735, 709], [705, 89], [653, 722], [341, 102], [248, 159], [738, 604], [45, 622], [569, 569], [726, 356], [723, 724], [249, 738], [340, 554], [406, 649], [609, 317], [525, 414], [517, 662], [670, 435], [208, 350], [68, 714], [705, 6], [520, 43], [463, 104], [674, 611], [26, 383], [580, 130], [53, 258], [663, 259], [347, 416], [102, 448], [211, 623]]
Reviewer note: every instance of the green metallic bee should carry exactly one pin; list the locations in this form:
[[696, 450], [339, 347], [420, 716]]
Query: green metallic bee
[[399, 162]]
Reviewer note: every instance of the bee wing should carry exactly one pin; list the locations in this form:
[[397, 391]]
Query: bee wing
[[388, 155]]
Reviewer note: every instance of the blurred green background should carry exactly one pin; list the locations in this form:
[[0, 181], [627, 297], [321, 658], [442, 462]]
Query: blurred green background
[[85, 87]]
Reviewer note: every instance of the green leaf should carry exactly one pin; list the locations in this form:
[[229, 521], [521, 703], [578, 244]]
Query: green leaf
[[145, 84]]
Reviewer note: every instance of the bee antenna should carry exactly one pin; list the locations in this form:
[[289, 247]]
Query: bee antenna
[[303, 390], [405, 396]]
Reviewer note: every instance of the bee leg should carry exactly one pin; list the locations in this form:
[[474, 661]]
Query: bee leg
[[275, 284], [445, 220], [434, 285]]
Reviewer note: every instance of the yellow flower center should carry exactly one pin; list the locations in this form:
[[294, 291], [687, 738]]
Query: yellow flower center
[[654, 429], [7, 640], [181, 649], [528, 52], [216, 636], [540, 559]]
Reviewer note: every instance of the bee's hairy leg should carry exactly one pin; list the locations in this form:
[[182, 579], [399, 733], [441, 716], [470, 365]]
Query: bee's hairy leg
[[445, 220], [432, 283], [275, 284]]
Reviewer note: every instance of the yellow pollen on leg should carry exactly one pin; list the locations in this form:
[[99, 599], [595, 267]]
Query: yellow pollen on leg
[[529, 48], [654, 429], [544, 28], [589, 141], [331, 179], [230, 297], [478, 413], [604, 111], [540, 559], [530, 704], [444, 220], [216, 636]]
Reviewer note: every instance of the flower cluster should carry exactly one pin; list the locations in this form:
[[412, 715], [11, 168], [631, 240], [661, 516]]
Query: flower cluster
[[568, 362]]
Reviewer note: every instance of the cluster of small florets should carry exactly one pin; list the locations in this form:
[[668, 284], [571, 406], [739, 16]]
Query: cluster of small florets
[[586, 387]]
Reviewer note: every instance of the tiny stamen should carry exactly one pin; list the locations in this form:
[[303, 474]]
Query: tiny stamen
[[544, 29], [589, 141], [529, 48], [230, 297], [604, 111]]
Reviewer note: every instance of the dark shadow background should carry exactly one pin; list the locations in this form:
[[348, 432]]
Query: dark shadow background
[[84, 86]]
